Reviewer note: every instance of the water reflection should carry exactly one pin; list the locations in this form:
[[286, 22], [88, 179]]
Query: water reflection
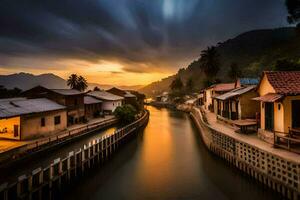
[[167, 161]]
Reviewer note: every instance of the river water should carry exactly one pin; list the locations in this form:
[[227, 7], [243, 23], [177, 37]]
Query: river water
[[167, 161]]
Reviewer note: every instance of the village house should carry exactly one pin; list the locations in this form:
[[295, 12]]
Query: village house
[[92, 107], [237, 104], [23, 119], [213, 91], [279, 96], [129, 98], [72, 99], [109, 101]]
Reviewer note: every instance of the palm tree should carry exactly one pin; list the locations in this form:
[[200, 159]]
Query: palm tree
[[82, 83], [72, 81], [234, 72], [209, 61], [96, 88]]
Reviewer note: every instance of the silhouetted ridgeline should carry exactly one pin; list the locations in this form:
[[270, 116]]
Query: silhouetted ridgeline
[[253, 51]]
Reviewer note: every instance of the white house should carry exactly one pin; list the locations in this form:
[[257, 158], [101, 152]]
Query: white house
[[109, 101], [23, 119]]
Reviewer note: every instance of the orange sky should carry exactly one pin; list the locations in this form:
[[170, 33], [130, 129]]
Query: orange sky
[[103, 72]]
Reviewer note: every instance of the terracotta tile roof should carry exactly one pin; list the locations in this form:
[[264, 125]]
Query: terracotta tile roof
[[270, 97], [223, 87], [285, 82]]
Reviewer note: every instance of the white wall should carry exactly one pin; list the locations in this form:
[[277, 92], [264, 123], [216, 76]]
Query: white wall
[[111, 105]]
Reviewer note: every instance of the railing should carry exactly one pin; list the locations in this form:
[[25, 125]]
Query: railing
[[43, 182], [283, 140], [65, 135]]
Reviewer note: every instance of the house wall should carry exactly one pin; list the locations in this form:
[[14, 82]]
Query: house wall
[[9, 125], [265, 88], [110, 106], [31, 124], [248, 107], [287, 105], [208, 93], [91, 109]]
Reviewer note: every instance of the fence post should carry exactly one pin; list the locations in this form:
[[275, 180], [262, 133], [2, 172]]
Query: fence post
[[3, 191]]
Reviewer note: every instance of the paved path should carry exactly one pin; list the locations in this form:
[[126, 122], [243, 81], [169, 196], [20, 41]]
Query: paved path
[[6, 145], [250, 139]]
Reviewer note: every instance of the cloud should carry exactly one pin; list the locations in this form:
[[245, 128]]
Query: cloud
[[144, 36]]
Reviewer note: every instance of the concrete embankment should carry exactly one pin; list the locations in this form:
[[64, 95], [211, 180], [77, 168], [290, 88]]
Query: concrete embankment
[[270, 168], [44, 182]]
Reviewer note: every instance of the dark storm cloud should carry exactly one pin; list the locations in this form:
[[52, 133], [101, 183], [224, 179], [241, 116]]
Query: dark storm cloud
[[157, 32]]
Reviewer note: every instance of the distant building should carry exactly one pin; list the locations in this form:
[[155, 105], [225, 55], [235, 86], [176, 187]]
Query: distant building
[[237, 104], [22, 119], [129, 98], [164, 97], [240, 82], [72, 99], [213, 91], [92, 107], [109, 101], [279, 96]]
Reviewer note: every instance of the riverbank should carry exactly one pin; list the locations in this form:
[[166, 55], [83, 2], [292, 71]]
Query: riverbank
[[46, 181], [11, 151], [276, 168]]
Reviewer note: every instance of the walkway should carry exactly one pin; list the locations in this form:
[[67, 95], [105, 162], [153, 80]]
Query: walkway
[[250, 139], [7, 145]]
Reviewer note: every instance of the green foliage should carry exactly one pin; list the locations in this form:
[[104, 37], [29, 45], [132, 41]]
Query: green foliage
[[210, 62], [77, 82], [293, 8], [286, 65], [190, 85], [126, 113], [9, 93], [176, 84], [234, 71]]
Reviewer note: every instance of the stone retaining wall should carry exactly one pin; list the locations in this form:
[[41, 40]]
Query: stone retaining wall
[[280, 174]]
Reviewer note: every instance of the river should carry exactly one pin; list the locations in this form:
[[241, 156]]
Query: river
[[167, 161]]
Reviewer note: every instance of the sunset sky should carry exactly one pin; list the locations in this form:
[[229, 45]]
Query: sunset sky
[[122, 42]]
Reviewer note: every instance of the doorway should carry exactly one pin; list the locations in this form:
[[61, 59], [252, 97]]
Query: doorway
[[295, 114], [269, 116]]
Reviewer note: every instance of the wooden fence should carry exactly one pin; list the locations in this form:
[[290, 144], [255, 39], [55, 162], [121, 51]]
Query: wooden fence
[[42, 182]]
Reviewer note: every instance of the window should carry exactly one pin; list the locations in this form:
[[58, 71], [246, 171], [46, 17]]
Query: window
[[43, 122], [75, 102], [57, 120], [279, 106]]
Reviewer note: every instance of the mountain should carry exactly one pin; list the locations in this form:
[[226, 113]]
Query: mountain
[[26, 81], [252, 51]]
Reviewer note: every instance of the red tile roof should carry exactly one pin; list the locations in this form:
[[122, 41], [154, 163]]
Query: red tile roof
[[285, 82], [224, 87]]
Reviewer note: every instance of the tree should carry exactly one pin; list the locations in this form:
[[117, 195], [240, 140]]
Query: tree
[[190, 85], [286, 65], [126, 113], [209, 61], [72, 81], [82, 83], [96, 88], [176, 84], [293, 8], [77, 82], [234, 71]]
